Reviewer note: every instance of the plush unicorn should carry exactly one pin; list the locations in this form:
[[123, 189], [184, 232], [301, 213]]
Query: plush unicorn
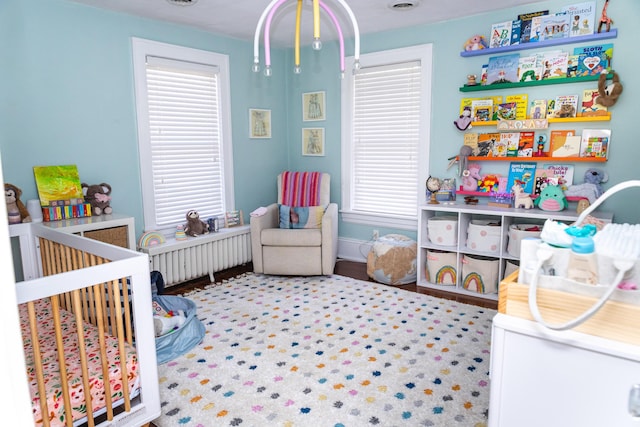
[[521, 199]]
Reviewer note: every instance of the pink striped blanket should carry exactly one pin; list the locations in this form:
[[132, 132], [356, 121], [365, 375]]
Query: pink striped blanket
[[301, 188]]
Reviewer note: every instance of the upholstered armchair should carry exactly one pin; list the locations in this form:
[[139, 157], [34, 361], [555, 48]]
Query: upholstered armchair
[[298, 235]]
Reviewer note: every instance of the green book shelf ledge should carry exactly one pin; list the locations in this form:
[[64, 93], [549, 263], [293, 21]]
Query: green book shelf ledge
[[556, 81]]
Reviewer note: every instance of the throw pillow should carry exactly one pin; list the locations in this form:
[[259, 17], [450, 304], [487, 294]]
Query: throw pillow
[[301, 217]]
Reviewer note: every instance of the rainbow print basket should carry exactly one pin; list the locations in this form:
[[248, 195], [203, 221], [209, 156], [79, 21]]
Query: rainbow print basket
[[480, 274]]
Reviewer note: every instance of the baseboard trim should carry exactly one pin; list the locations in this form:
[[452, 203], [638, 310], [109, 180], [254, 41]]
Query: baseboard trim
[[353, 249]]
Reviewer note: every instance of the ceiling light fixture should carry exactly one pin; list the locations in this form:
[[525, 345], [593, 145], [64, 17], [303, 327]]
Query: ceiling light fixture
[[183, 2], [271, 9], [403, 4]]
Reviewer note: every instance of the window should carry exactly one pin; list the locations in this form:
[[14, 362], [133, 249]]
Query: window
[[385, 137], [184, 133]]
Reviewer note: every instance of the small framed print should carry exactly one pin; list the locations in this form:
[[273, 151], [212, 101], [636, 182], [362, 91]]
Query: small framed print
[[313, 106], [313, 141], [259, 123]]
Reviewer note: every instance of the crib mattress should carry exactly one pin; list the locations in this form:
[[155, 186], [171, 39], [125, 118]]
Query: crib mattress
[[51, 368]]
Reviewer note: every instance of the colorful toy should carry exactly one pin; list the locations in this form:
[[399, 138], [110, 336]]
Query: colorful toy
[[98, 196], [551, 199], [464, 121], [608, 94], [604, 18], [591, 189], [195, 226], [16, 210], [521, 199], [172, 320], [476, 42]]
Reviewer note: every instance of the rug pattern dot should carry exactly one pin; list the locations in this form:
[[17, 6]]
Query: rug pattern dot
[[329, 351]]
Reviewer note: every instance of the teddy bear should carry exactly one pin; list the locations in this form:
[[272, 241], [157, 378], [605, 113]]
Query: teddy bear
[[591, 188], [16, 210], [98, 196], [608, 94], [195, 226]]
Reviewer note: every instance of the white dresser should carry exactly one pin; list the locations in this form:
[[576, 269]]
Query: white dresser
[[559, 379]]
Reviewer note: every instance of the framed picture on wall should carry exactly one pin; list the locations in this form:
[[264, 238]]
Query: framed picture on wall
[[313, 107], [313, 141], [259, 123]]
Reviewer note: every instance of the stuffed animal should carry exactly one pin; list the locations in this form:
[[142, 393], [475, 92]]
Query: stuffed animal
[[464, 121], [163, 324], [476, 42], [551, 199], [591, 189], [608, 94], [98, 196], [195, 226], [16, 210], [471, 177]]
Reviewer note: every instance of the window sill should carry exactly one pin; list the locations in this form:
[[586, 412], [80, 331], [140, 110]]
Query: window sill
[[379, 220]]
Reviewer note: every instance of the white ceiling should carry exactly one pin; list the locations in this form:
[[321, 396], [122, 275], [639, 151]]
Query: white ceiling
[[238, 18]]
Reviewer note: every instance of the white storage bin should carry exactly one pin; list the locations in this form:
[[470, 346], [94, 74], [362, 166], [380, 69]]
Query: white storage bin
[[483, 236], [443, 230], [480, 274], [441, 267], [510, 266], [517, 232]]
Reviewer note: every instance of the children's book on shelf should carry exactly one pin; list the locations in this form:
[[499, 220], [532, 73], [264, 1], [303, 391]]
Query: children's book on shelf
[[564, 106], [554, 26], [589, 104], [521, 100], [528, 69], [511, 140], [553, 174], [595, 143], [506, 111], [538, 109], [525, 145], [486, 142], [554, 64], [523, 173], [536, 28], [525, 24], [483, 74], [593, 60], [572, 65], [471, 140], [481, 110], [503, 69], [500, 34], [516, 24], [582, 17], [500, 147], [564, 143], [466, 102]]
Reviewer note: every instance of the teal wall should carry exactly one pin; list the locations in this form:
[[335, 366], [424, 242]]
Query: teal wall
[[68, 98]]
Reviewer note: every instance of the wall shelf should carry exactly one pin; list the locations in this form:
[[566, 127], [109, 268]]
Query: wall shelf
[[486, 194], [545, 82], [538, 159], [603, 118], [612, 34]]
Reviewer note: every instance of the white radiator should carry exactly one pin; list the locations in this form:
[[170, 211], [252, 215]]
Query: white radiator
[[179, 261]]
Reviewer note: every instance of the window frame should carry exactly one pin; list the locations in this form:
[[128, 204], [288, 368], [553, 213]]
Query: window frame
[[141, 48], [422, 53]]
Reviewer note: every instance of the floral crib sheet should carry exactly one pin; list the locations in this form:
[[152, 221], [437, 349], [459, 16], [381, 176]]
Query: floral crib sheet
[[55, 400]]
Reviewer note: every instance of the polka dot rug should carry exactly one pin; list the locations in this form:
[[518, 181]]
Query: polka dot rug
[[329, 351]]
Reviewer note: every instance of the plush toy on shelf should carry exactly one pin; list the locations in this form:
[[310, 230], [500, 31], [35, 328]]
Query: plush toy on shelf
[[195, 226], [591, 189], [16, 210], [471, 177], [98, 196], [464, 121], [476, 42], [608, 93], [552, 199]]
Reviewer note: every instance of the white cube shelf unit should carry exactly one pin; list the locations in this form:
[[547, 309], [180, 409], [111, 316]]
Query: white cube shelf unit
[[465, 214]]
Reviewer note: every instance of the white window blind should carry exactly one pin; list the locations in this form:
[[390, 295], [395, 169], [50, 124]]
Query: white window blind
[[185, 139], [386, 129]]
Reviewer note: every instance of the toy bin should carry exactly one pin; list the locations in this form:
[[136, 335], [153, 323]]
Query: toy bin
[[480, 274], [441, 267], [178, 341], [443, 230], [510, 266], [517, 232], [483, 235]]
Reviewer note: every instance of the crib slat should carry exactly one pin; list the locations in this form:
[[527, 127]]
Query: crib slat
[[83, 358], [37, 359], [99, 291], [127, 310], [124, 374], [66, 397]]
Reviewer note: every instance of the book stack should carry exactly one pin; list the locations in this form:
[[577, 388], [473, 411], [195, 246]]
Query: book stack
[[66, 209]]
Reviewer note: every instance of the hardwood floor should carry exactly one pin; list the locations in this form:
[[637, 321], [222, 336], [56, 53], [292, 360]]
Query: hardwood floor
[[356, 270]]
